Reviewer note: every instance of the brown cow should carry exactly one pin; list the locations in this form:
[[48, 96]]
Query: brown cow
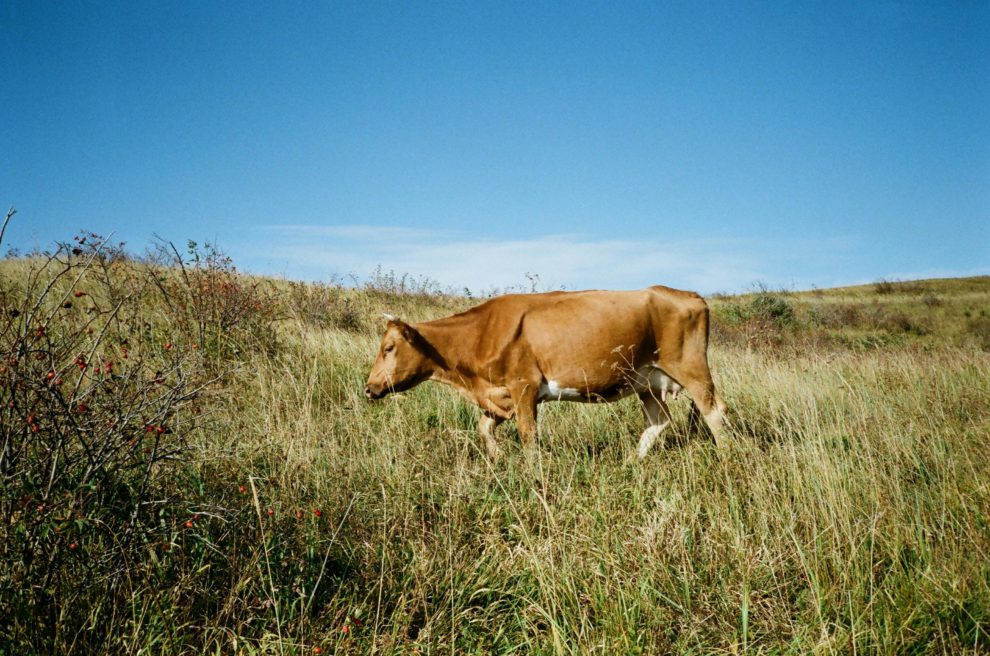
[[513, 352]]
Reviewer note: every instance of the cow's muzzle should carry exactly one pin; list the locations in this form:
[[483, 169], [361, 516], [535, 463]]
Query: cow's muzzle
[[373, 395]]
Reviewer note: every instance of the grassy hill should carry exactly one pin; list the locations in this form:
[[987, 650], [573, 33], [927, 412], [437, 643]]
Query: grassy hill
[[189, 466], [922, 313]]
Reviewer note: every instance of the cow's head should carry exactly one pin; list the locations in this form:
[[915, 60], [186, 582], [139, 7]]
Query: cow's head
[[404, 360]]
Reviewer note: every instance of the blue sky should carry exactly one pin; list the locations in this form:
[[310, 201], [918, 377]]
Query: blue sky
[[702, 145]]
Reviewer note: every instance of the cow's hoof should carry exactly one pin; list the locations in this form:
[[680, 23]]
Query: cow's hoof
[[495, 455]]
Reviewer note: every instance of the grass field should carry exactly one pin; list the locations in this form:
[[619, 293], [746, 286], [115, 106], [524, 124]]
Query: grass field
[[278, 512]]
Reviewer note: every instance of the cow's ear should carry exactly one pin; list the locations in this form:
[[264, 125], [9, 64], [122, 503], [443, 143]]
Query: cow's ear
[[408, 332]]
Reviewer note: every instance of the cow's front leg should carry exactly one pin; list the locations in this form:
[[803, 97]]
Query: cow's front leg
[[524, 397], [711, 407], [486, 428]]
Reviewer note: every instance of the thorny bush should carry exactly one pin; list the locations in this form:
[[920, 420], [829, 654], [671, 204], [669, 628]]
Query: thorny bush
[[96, 401], [324, 305], [226, 313]]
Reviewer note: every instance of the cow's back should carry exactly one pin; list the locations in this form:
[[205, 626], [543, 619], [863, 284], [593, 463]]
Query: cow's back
[[586, 325], [585, 338]]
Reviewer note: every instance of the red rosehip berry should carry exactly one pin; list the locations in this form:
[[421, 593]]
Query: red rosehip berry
[[79, 293]]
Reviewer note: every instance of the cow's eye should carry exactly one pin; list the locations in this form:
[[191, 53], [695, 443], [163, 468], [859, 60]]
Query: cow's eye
[[390, 348]]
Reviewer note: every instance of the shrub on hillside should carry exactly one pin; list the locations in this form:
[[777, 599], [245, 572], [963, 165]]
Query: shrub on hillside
[[224, 312], [899, 322], [884, 287], [324, 305], [765, 322], [96, 403], [979, 328], [771, 308], [841, 315], [390, 283]]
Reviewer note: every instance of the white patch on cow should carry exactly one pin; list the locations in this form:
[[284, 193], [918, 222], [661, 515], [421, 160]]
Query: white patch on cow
[[652, 378], [552, 391]]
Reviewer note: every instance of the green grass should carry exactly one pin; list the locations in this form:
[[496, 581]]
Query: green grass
[[849, 514]]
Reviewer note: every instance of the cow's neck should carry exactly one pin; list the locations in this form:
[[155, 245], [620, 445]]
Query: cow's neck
[[449, 364]]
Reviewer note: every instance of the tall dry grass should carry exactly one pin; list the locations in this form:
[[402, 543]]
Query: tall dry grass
[[848, 515]]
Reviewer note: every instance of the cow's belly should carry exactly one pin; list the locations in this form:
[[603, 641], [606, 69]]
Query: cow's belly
[[645, 379]]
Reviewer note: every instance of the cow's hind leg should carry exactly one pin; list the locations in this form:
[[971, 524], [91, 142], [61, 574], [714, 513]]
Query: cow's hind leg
[[486, 429], [657, 418]]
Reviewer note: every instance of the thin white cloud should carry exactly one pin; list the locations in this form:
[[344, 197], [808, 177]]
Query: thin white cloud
[[360, 231], [458, 261]]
